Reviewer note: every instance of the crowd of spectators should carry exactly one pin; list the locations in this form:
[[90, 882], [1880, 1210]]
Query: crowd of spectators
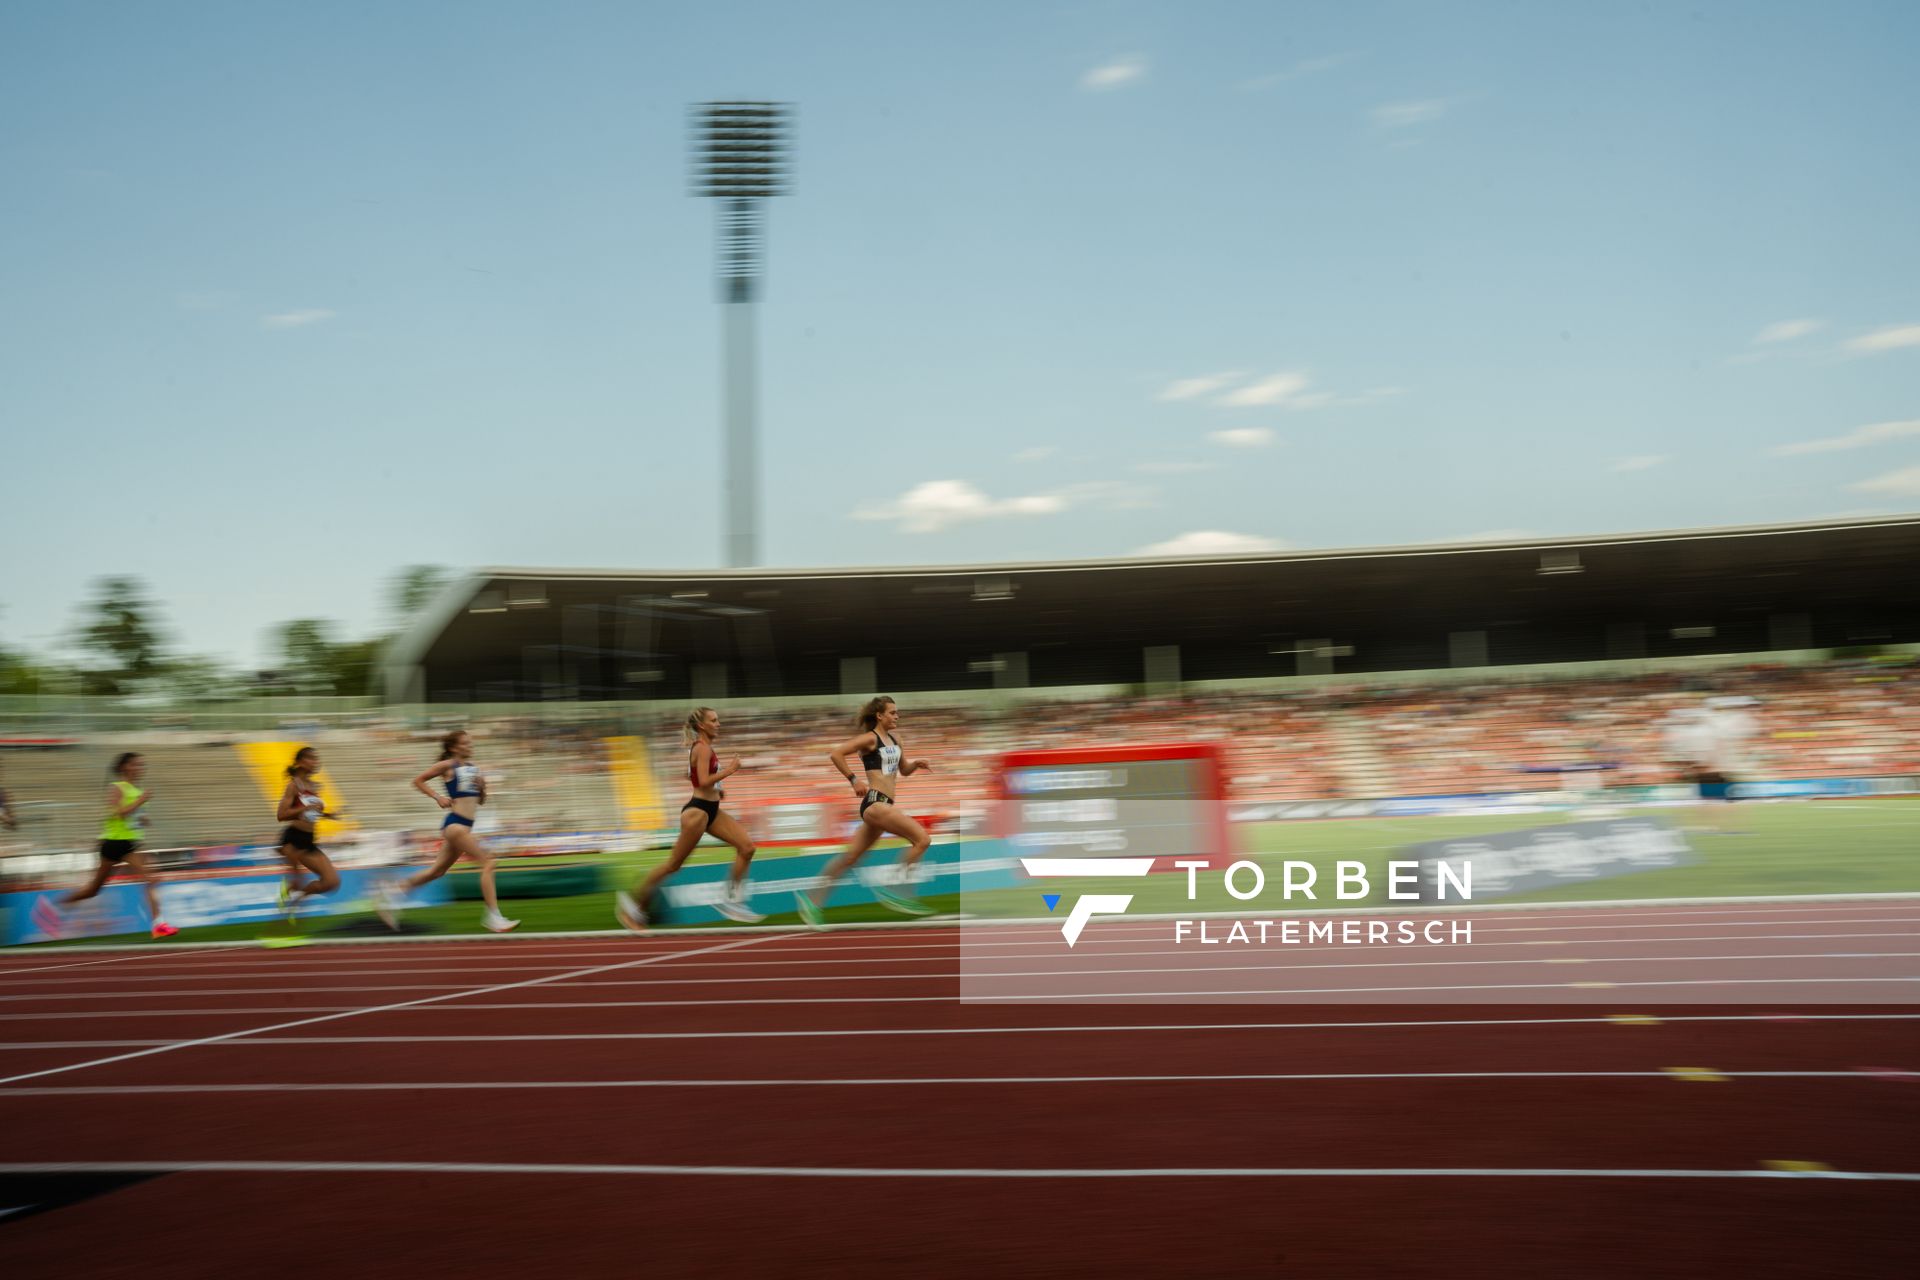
[[553, 768], [1361, 740]]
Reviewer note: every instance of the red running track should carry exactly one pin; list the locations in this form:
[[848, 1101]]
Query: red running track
[[825, 1104]]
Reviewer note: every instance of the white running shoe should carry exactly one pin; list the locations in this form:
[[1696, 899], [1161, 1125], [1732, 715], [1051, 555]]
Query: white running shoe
[[386, 904], [497, 923], [628, 913], [734, 907]]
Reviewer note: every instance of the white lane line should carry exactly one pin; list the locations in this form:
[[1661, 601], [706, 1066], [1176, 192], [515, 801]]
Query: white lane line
[[1720, 924], [156, 953], [1783, 904], [656, 958], [977, 974], [1563, 993], [1153, 924], [216, 956], [1041, 949], [1048, 944], [1180, 996], [246, 1010], [970, 974], [1063, 1029], [64, 996], [145, 1090], [826, 1171]]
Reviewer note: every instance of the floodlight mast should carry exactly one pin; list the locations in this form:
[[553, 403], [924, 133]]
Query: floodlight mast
[[740, 160]]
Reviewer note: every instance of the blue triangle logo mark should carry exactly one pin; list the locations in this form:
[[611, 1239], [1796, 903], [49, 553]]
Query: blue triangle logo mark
[[1051, 899]]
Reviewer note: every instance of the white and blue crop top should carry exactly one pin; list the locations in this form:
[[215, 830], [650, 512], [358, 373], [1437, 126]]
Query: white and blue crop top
[[463, 782]]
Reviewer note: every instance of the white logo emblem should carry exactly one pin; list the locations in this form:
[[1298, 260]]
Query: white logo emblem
[[1088, 905]]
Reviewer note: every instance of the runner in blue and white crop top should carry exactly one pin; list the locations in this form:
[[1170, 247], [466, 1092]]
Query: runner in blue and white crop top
[[466, 791], [464, 782]]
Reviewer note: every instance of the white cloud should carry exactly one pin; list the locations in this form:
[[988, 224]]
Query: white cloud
[[1194, 388], [1305, 67], [1787, 331], [1858, 438], [1640, 462], [1327, 399], [1891, 338], [1212, 542], [1174, 468], [1116, 74], [1287, 390], [1243, 437], [296, 319], [1901, 484], [1037, 453], [1402, 115], [1112, 495], [1267, 391], [933, 505]]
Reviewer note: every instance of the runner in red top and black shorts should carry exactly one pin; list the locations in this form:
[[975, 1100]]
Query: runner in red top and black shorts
[[699, 816]]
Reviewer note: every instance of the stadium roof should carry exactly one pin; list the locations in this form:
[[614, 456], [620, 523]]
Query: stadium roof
[[511, 630]]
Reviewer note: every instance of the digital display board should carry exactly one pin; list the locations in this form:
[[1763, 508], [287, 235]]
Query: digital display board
[[1166, 802]]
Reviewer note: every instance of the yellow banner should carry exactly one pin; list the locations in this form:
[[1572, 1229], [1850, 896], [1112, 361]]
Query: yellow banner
[[267, 763], [632, 774]]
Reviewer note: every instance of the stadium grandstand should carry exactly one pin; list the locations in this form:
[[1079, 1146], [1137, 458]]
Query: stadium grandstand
[[510, 635], [1320, 676]]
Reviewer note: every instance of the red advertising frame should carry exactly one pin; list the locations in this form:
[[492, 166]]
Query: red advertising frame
[[1213, 779]]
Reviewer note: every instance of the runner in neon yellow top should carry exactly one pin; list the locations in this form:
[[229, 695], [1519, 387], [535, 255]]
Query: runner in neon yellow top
[[120, 836], [123, 817]]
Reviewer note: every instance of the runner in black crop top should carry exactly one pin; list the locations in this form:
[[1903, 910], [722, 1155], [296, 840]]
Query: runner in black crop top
[[882, 765]]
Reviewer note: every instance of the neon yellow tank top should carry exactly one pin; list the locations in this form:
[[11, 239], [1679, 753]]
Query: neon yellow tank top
[[127, 828]]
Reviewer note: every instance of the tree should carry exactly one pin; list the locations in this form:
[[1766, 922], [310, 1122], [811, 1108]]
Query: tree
[[414, 586], [20, 673], [201, 679], [307, 646], [317, 663], [120, 631], [354, 665]]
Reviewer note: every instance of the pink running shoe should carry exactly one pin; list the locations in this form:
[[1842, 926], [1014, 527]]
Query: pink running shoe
[[162, 929]]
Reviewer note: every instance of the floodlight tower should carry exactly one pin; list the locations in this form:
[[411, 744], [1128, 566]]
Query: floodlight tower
[[740, 160]]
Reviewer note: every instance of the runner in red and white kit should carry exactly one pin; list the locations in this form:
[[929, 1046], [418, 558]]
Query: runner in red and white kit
[[699, 816]]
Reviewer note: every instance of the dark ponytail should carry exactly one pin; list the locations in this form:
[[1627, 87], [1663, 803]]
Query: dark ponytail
[[121, 761], [298, 756], [446, 743], [869, 718]]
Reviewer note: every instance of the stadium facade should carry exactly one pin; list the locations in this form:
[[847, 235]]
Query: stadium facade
[[507, 635]]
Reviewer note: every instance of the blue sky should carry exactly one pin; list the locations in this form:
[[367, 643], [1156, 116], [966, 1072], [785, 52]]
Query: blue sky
[[293, 294]]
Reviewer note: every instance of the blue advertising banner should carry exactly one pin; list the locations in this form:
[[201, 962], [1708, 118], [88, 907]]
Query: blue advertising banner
[[1509, 862], [1811, 787], [197, 903], [1535, 801], [689, 897]]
